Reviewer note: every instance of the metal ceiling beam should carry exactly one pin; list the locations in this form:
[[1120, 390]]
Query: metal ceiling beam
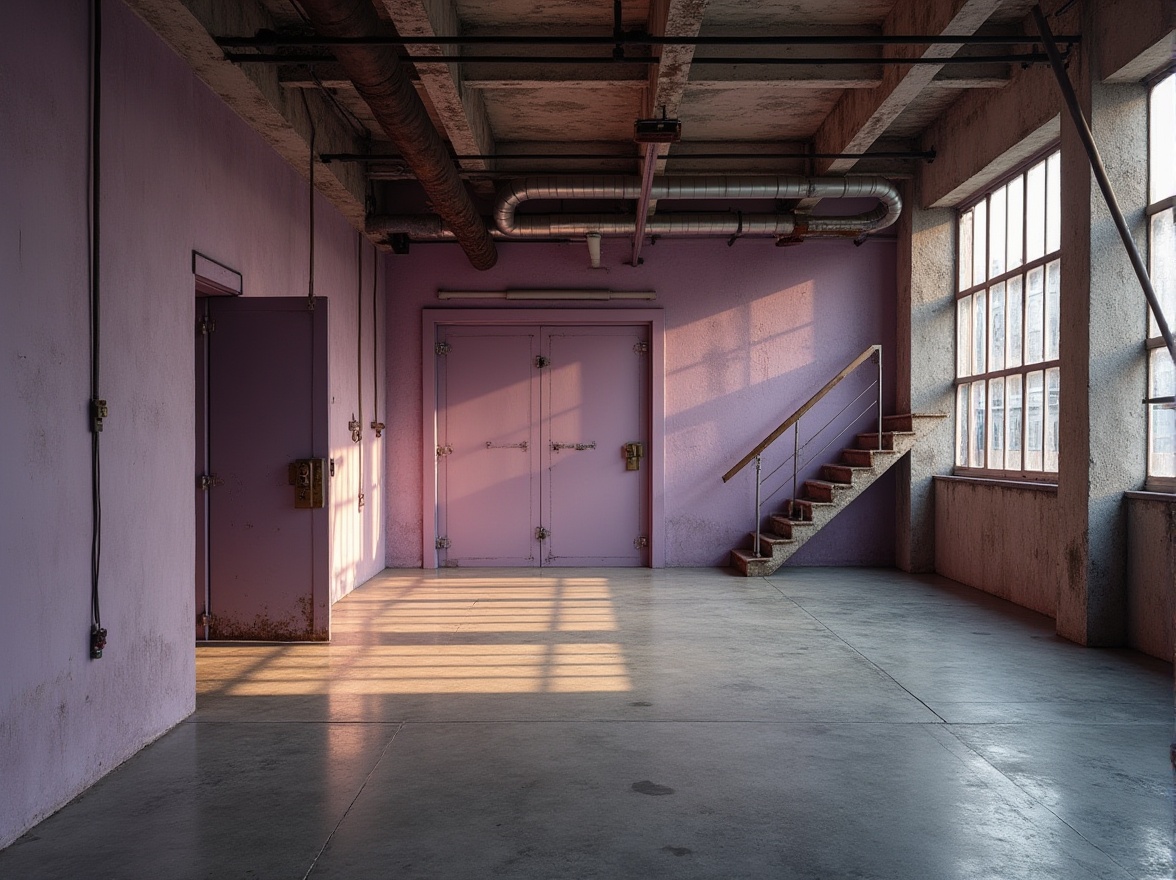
[[670, 38], [725, 61]]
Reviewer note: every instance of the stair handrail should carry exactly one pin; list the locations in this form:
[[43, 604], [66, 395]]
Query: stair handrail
[[805, 407]]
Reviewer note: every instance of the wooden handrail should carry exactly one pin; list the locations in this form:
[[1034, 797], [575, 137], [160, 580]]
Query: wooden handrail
[[795, 417]]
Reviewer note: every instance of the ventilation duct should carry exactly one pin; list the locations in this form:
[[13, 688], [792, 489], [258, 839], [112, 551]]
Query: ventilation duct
[[382, 82], [784, 224]]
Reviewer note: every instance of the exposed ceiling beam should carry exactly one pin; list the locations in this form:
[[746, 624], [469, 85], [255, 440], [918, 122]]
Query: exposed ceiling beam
[[461, 111], [254, 92], [861, 117], [667, 81]]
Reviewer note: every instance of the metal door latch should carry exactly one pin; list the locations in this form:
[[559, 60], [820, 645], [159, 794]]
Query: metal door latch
[[541, 361], [207, 481], [442, 544], [444, 450], [641, 542], [541, 534]]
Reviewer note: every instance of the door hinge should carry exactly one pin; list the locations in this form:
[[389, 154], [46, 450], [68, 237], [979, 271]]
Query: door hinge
[[641, 542], [541, 362], [641, 348], [205, 325], [444, 450], [442, 544], [207, 481], [541, 534], [442, 348], [204, 619]]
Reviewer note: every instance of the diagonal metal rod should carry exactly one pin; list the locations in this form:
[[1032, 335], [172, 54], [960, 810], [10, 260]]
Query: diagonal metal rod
[[643, 202], [1100, 174]]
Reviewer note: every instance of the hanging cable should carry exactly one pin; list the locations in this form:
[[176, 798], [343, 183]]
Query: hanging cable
[[313, 134], [98, 410], [377, 425]]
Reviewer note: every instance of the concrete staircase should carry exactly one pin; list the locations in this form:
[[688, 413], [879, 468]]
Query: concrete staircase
[[821, 500]]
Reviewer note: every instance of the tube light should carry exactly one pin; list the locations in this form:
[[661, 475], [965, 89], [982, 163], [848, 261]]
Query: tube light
[[597, 295]]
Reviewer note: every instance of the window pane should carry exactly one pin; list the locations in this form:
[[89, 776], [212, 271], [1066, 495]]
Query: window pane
[[1163, 268], [965, 250], [1162, 424], [1016, 221], [1052, 387], [1034, 421], [962, 426], [977, 455], [978, 336], [1034, 320], [1014, 312], [996, 327], [964, 336], [1163, 139], [996, 233], [979, 243], [1013, 428], [996, 421], [1053, 198], [1053, 320], [1035, 212]]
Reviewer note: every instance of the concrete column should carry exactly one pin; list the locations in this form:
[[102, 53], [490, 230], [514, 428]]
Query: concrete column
[[1103, 371], [925, 367]]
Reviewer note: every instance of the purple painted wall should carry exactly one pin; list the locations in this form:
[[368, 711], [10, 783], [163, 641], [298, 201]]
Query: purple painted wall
[[180, 172], [751, 332]]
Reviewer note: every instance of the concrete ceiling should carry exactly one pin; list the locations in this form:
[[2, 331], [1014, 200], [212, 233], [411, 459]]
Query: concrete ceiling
[[545, 110]]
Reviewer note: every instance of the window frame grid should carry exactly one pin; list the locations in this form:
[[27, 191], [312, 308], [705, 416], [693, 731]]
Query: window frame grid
[[1025, 369], [1154, 482]]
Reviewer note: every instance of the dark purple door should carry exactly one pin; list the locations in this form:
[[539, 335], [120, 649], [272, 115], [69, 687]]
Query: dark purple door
[[268, 565]]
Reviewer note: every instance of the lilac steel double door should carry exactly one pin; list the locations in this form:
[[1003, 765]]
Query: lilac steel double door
[[532, 424]]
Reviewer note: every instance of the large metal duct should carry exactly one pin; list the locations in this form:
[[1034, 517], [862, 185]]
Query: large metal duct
[[712, 188], [381, 81]]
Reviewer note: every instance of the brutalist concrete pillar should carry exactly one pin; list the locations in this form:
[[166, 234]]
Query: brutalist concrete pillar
[[1103, 374], [925, 368]]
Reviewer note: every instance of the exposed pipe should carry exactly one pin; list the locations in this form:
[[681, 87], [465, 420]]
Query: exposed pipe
[[697, 223], [1100, 174], [647, 60], [383, 83]]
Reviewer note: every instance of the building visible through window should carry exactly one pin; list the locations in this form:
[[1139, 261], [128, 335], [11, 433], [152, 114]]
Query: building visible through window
[[1161, 459], [1008, 327]]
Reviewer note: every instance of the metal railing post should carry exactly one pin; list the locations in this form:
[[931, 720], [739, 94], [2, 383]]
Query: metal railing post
[[756, 531], [795, 465], [879, 356]]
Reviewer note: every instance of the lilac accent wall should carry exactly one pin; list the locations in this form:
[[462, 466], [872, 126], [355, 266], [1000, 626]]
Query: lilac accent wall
[[180, 172], [751, 332]]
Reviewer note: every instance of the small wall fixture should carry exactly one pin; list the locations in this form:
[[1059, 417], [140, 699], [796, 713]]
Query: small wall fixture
[[214, 278], [547, 294]]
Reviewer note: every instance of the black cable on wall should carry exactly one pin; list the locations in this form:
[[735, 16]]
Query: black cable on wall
[[97, 405]]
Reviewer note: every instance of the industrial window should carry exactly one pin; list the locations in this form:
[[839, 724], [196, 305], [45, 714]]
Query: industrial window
[[1161, 459], [1007, 327]]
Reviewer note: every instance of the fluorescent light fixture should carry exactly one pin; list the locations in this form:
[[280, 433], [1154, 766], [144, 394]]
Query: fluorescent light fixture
[[547, 294]]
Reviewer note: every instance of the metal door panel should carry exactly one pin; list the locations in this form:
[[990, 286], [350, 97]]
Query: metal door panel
[[488, 484], [593, 404], [267, 407]]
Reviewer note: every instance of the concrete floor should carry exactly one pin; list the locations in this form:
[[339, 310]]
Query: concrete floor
[[823, 724]]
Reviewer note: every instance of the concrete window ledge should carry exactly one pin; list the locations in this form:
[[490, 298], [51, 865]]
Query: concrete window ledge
[[1051, 488]]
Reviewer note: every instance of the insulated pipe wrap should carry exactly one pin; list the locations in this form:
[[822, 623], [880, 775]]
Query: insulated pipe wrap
[[383, 83]]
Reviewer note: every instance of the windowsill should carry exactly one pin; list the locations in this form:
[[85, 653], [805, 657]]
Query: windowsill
[[1162, 497], [1029, 485]]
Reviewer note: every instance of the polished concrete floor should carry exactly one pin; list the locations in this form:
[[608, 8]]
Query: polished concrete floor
[[824, 724]]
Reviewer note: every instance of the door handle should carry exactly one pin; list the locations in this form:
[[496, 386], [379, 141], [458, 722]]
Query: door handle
[[578, 447]]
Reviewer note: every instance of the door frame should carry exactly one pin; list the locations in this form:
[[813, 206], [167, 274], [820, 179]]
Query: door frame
[[654, 322]]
